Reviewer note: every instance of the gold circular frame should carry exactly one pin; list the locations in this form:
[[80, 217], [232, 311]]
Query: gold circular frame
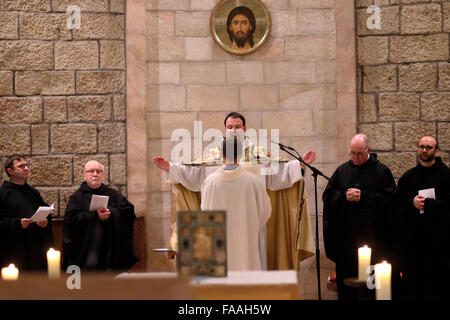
[[218, 24]]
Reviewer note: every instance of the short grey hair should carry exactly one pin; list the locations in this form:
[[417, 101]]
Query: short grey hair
[[92, 162]]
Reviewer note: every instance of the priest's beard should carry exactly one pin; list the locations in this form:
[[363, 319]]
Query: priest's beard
[[427, 158], [241, 39], [239, 133]]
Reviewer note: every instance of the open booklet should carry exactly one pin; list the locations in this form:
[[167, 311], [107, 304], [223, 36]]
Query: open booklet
[[42, 213], [98, 202]]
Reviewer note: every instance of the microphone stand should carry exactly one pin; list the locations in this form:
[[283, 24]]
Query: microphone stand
[[315, 173]]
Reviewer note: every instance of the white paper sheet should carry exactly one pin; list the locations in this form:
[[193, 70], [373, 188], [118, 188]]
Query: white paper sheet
[[163, 250], [98, 202], [249, 278], [42, 213], [427, 193]]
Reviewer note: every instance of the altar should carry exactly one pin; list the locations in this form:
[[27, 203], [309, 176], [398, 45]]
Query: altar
[[244, 285]]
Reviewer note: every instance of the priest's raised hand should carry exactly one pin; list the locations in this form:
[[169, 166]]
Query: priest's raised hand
[[161, 163], [309, 156]]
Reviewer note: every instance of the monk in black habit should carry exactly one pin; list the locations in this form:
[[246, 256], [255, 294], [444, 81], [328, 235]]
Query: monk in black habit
[[102, 239], [357, 212], [424, 238], [23, 242]]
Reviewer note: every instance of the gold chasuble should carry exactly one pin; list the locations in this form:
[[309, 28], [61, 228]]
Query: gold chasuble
[[289, 237]]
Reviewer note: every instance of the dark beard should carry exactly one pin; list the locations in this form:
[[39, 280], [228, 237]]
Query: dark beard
[[428, 158], [241, 39]]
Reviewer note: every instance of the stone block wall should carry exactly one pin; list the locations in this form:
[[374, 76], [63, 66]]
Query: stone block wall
[[403, 78], [62, 92]]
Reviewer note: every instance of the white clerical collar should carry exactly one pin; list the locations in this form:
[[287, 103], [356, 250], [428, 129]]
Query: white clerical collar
[[230, 167]]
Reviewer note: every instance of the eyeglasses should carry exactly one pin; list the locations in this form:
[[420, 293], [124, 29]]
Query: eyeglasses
[[23, 165], [357, 154], [94, 171], [428, 148]]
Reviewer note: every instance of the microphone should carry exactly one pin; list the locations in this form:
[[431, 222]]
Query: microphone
[[282, 146]]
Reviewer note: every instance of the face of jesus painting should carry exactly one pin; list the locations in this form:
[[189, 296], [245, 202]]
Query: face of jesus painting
[[240, 27]]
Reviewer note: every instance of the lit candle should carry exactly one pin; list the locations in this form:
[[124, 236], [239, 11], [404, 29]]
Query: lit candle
[[10, 272], [53, 262], [364, 254], [383, 281]]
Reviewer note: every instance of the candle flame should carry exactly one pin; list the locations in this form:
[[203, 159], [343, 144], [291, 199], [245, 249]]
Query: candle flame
[[10, 272]]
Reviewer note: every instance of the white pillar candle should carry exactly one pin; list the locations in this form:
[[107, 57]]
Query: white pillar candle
[[364, 254], [10, 272], [53, 262], [383, 281]]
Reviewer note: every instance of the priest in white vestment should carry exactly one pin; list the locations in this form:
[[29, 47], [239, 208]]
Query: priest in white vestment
[[192, 177], [247, 205]]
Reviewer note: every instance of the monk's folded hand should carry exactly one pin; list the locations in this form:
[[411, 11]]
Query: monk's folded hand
[[25, 222], [419, 202], [103, 214], [42, 223], [353, 195]]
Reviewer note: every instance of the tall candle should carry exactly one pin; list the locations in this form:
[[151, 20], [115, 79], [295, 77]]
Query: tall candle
[[10, 272], [364, 254], [383, 281], [53, 262]]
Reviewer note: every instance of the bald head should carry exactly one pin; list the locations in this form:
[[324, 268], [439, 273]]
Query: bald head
[[430, 140], [360, 140], [359, 149]]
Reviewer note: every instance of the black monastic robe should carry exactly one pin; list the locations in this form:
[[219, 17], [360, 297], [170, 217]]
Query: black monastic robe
[[350, 225], [423, 242], [26, 248], [93, 244]]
